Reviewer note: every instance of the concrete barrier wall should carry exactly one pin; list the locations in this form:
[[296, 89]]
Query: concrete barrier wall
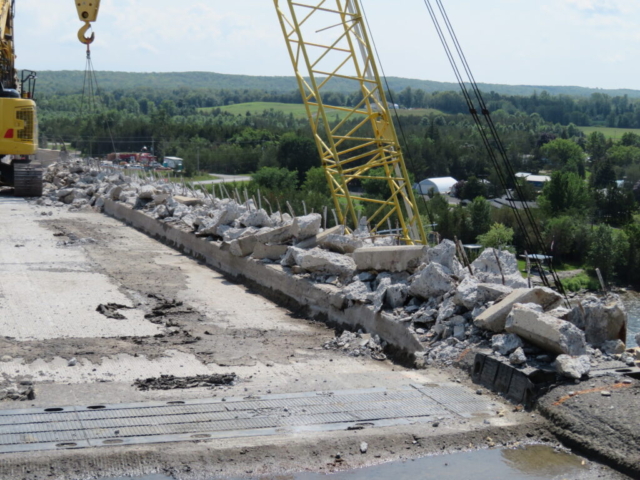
[[319, 301]]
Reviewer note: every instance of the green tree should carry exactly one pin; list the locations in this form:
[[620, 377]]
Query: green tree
[[276, 179], [498, 236], [622, 155], [596, 146], [473, 188], [566, 155], [561, 233], [565, 193], [316, 181], [606, 251], [480, 216], [297, 153]]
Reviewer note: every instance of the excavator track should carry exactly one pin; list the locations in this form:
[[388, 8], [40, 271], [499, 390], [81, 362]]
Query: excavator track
[[27, 180]]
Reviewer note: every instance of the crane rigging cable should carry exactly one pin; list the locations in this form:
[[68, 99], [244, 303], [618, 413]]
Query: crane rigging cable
[[491, 139], [90, 94]]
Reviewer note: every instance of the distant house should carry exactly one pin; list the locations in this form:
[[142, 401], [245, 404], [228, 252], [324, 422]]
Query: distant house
[[442, 185], [536, 181]]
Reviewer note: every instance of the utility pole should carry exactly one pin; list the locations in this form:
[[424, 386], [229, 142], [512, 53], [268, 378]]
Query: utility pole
[[198, 156]]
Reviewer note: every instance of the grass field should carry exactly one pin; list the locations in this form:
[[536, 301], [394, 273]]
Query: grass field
[[613, 133], [299, 111]]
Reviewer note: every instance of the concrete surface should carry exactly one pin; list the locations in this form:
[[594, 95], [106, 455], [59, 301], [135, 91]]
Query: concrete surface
[[48, 297]]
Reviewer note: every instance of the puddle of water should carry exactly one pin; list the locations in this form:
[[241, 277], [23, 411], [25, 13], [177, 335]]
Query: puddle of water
[[632, 302], [535, 462]]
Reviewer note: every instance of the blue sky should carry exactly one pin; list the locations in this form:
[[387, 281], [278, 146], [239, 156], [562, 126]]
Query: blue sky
[[591, 43]]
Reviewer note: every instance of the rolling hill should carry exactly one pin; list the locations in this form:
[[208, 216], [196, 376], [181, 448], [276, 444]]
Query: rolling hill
[[71, 81]]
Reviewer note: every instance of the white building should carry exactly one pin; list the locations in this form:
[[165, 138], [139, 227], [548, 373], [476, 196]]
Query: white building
[[442, 185], [537, 181]]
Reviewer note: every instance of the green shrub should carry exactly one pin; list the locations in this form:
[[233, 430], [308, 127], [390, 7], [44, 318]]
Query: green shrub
[[579, 282]]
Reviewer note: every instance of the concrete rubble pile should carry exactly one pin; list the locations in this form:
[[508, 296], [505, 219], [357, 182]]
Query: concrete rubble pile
[[450, 309]]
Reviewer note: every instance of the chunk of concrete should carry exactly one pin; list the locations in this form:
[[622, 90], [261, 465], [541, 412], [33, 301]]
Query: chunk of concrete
[[323, 262], [601, 319], [518, 357], [147, 192], [397, 295], [573, 367], [314, 241], [224, 216], [486, 269], [494, 317], [276, 235], [268, 251], [306, 226], [613, 347], [358, 292], [188, 201], [467, 294], [506, 344], [547, 332], [432, 281], [490, 292], [115, 192], [389, 259], [255, 218], [444, 254], [341, 243], [243, 246]]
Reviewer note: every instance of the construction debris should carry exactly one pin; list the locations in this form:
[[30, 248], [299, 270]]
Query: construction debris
[[449, 308], [169, 382]]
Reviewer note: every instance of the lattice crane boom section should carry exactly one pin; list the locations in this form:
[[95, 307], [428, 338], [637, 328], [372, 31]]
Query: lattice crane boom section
[[328, 42]]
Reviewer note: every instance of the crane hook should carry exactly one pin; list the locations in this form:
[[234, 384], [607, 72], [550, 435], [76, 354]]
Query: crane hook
[[83, 32]]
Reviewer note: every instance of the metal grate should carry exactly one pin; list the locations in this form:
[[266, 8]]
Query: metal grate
[[26, 115], [102, 425]]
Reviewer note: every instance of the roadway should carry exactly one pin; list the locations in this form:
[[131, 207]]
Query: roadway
[[58, 267]]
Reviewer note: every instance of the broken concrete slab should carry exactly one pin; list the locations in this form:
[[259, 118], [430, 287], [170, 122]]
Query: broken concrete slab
[[547, 332], [490, 292], [467, 294], [256, 218], [358, 292], [444, 254], [341, 243], [601, 319], [573, 367], [147, 192], [188, 201], [432, 281], [505, 344], [306, 226], [494, 317], [269, 251], [243, 247], [318, 239], [389, 259], [328, 263], [276, 235], [488, 270]]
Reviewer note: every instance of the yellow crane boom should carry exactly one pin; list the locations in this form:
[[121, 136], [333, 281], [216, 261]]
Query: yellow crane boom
[[328, 40]]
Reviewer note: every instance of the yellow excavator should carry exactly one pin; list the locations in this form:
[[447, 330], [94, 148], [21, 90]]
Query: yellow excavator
[[328, 40], [18, 122]]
